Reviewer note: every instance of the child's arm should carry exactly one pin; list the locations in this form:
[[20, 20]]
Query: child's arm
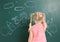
[[29, 30], [30, 33], [30, 36], [44, 23]]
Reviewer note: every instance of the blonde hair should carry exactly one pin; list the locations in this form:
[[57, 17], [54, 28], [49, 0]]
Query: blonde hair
[[37, 16]]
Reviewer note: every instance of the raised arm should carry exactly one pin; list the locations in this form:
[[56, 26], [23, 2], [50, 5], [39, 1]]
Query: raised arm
[[30, 31], [44, 23]]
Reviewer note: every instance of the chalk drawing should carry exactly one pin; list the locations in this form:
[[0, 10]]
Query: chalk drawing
[[50, 21], [8, 5], [28, 4], [16, 20], [14, 23], [52, 29], [49, 33], [19, 8], [11, 28], [24, 15]]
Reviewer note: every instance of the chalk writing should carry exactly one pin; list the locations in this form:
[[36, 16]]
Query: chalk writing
[[19, 8], [8, 5]]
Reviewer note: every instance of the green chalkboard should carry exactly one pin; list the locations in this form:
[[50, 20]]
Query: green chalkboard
[[14, 19]]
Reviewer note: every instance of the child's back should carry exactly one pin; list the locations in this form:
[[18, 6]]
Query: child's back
[[38, 33]]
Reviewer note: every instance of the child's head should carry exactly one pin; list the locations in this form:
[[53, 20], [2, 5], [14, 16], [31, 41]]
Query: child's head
[[38, 16]]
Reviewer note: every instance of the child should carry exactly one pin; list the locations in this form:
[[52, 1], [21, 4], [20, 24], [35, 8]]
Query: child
[[37, 31]]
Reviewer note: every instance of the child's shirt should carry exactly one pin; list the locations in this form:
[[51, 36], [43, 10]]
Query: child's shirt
[[38, 33]]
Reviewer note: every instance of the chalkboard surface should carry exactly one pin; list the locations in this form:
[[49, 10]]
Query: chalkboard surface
[[14, 19]]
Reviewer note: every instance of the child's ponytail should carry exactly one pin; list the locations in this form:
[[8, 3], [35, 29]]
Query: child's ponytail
[[30, 24]]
